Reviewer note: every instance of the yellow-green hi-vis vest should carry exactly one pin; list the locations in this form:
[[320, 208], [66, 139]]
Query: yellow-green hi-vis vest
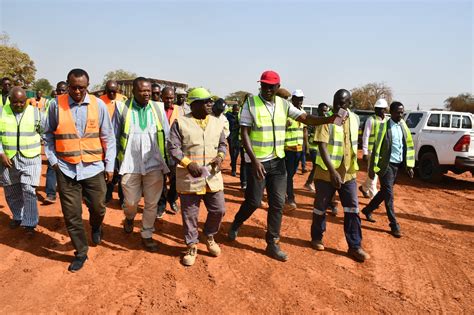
[[20, 136], [410, 150], [7, 101], [126, 113], [267, 134], [376, 122], [294, 134], [335, 146]]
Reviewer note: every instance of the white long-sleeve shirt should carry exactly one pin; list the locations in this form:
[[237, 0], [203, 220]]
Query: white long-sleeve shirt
[[367, 131]]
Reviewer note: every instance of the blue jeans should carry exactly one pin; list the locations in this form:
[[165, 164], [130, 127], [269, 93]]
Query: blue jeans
[[312, 156], [234, 149], [50, 182], [303, 159], [292, 159], [275, 182], [386, 194], [348, 195]]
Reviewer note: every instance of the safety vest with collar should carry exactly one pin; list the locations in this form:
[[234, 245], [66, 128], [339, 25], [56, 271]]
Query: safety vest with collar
[[113, 104], [294, 135], [376, 122], [200, 146], [335, 146], [126, 114], [20, 136], [38, 104], [7, 100], [267, 134], [70, 147], [379, 163]]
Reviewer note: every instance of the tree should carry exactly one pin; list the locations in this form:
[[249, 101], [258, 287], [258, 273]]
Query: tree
[[43, 85], [464, 102], [119, 74], [238, 96], [15, 64], [364, 97]]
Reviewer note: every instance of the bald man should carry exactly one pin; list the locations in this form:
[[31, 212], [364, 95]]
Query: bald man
[[20, 157]]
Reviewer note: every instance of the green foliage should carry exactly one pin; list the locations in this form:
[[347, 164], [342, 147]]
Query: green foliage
[[15, 64], [43, 85], [237, 96], [119, 74], [364, 97], [462, 103]]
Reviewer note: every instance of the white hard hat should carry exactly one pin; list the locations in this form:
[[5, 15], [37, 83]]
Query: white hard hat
[[381, 103], [298, 93]]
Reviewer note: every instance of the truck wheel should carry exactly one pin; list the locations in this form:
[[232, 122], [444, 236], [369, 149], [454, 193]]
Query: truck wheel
[[429, 168]]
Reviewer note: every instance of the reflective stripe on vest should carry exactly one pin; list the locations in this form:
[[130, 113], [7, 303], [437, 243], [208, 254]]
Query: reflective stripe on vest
[[69, 146], [268, 133], [20, 136], [294, 134], [410, 150], [126, 113], [335, 146]]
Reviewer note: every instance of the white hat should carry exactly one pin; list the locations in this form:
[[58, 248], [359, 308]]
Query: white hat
[[298, 93], [381, 103], [180, 91]]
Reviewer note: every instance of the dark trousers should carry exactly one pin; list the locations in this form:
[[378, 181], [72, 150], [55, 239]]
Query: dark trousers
[[348, 195], [110, 188], [71, 192], [275, 182], [170, 195], [50, 182], [312, 156], [292, 159], [234, 149], [386, 194], [303, 159], [243, 168]]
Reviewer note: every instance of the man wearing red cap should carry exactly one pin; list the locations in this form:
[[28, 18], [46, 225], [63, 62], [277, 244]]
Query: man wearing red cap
[[263, 123]]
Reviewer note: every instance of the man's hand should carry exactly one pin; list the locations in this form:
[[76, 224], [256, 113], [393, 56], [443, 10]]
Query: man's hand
[[336, 180], [216, 163], [258, 170], [194, 169], [371, 173], [410, 172], [5, 160], [365, 158], [109, 176]]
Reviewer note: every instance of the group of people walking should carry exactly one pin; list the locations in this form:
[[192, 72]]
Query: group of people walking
[[158, 136]]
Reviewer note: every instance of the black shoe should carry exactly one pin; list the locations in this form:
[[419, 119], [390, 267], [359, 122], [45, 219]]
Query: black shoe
[[243, 186], [14, 224], [274, 251], [174, 208], [77, 264], [396, 232], [97, 236], [128, 225], [30, 231], [364, 193], [150, 245], [368, 215], [234, 173]]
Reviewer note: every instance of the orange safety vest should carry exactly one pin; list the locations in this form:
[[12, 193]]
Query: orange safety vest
[[174, 114], [39, 104], [69, 146], [111, 103]]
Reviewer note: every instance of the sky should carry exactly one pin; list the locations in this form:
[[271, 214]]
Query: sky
[[423, 50]]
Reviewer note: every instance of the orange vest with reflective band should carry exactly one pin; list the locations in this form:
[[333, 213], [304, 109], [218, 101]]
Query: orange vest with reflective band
[[38, 104], [174, 114], [111, 103], [69, 146]]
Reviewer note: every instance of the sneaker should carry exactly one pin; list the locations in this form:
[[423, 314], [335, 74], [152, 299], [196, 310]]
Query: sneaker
[[212, 247], [190, 256], [368, 215], [128, 225], [273, 250], [77, 263], [160, 213], [14, 224], [333, 210], [232, 235], [317, 245], [291, 205], [243, 186], [174, 208], [358, 254], [396, 232], [310, 187], [49, 200], [150, 245], [364, 193]]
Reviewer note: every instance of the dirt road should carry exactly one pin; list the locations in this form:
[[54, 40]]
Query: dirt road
[[430, 269]]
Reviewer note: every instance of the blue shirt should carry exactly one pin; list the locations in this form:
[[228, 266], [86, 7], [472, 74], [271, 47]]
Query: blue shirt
[[82, 170], [396, 155]]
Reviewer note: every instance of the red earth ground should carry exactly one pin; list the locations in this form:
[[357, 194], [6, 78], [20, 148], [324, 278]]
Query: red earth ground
[[430, 269]]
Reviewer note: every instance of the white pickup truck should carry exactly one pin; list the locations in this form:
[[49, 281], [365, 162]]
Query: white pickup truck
[[444, 141]]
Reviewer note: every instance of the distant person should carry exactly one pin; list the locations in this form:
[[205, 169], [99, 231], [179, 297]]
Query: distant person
[[155, 92], [141, 129], [39, 101], [218, 110], [233, 138], [336, 168], [371, 130], [181, 101], [393, 150], [50, 189], [197, 143], [20, 155], [80, 145], [6, 86]]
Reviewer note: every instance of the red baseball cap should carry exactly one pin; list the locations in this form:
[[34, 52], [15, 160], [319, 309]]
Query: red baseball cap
[[270, 77]]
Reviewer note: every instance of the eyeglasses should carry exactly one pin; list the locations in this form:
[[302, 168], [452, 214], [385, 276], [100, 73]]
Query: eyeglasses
[[80, 88]]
